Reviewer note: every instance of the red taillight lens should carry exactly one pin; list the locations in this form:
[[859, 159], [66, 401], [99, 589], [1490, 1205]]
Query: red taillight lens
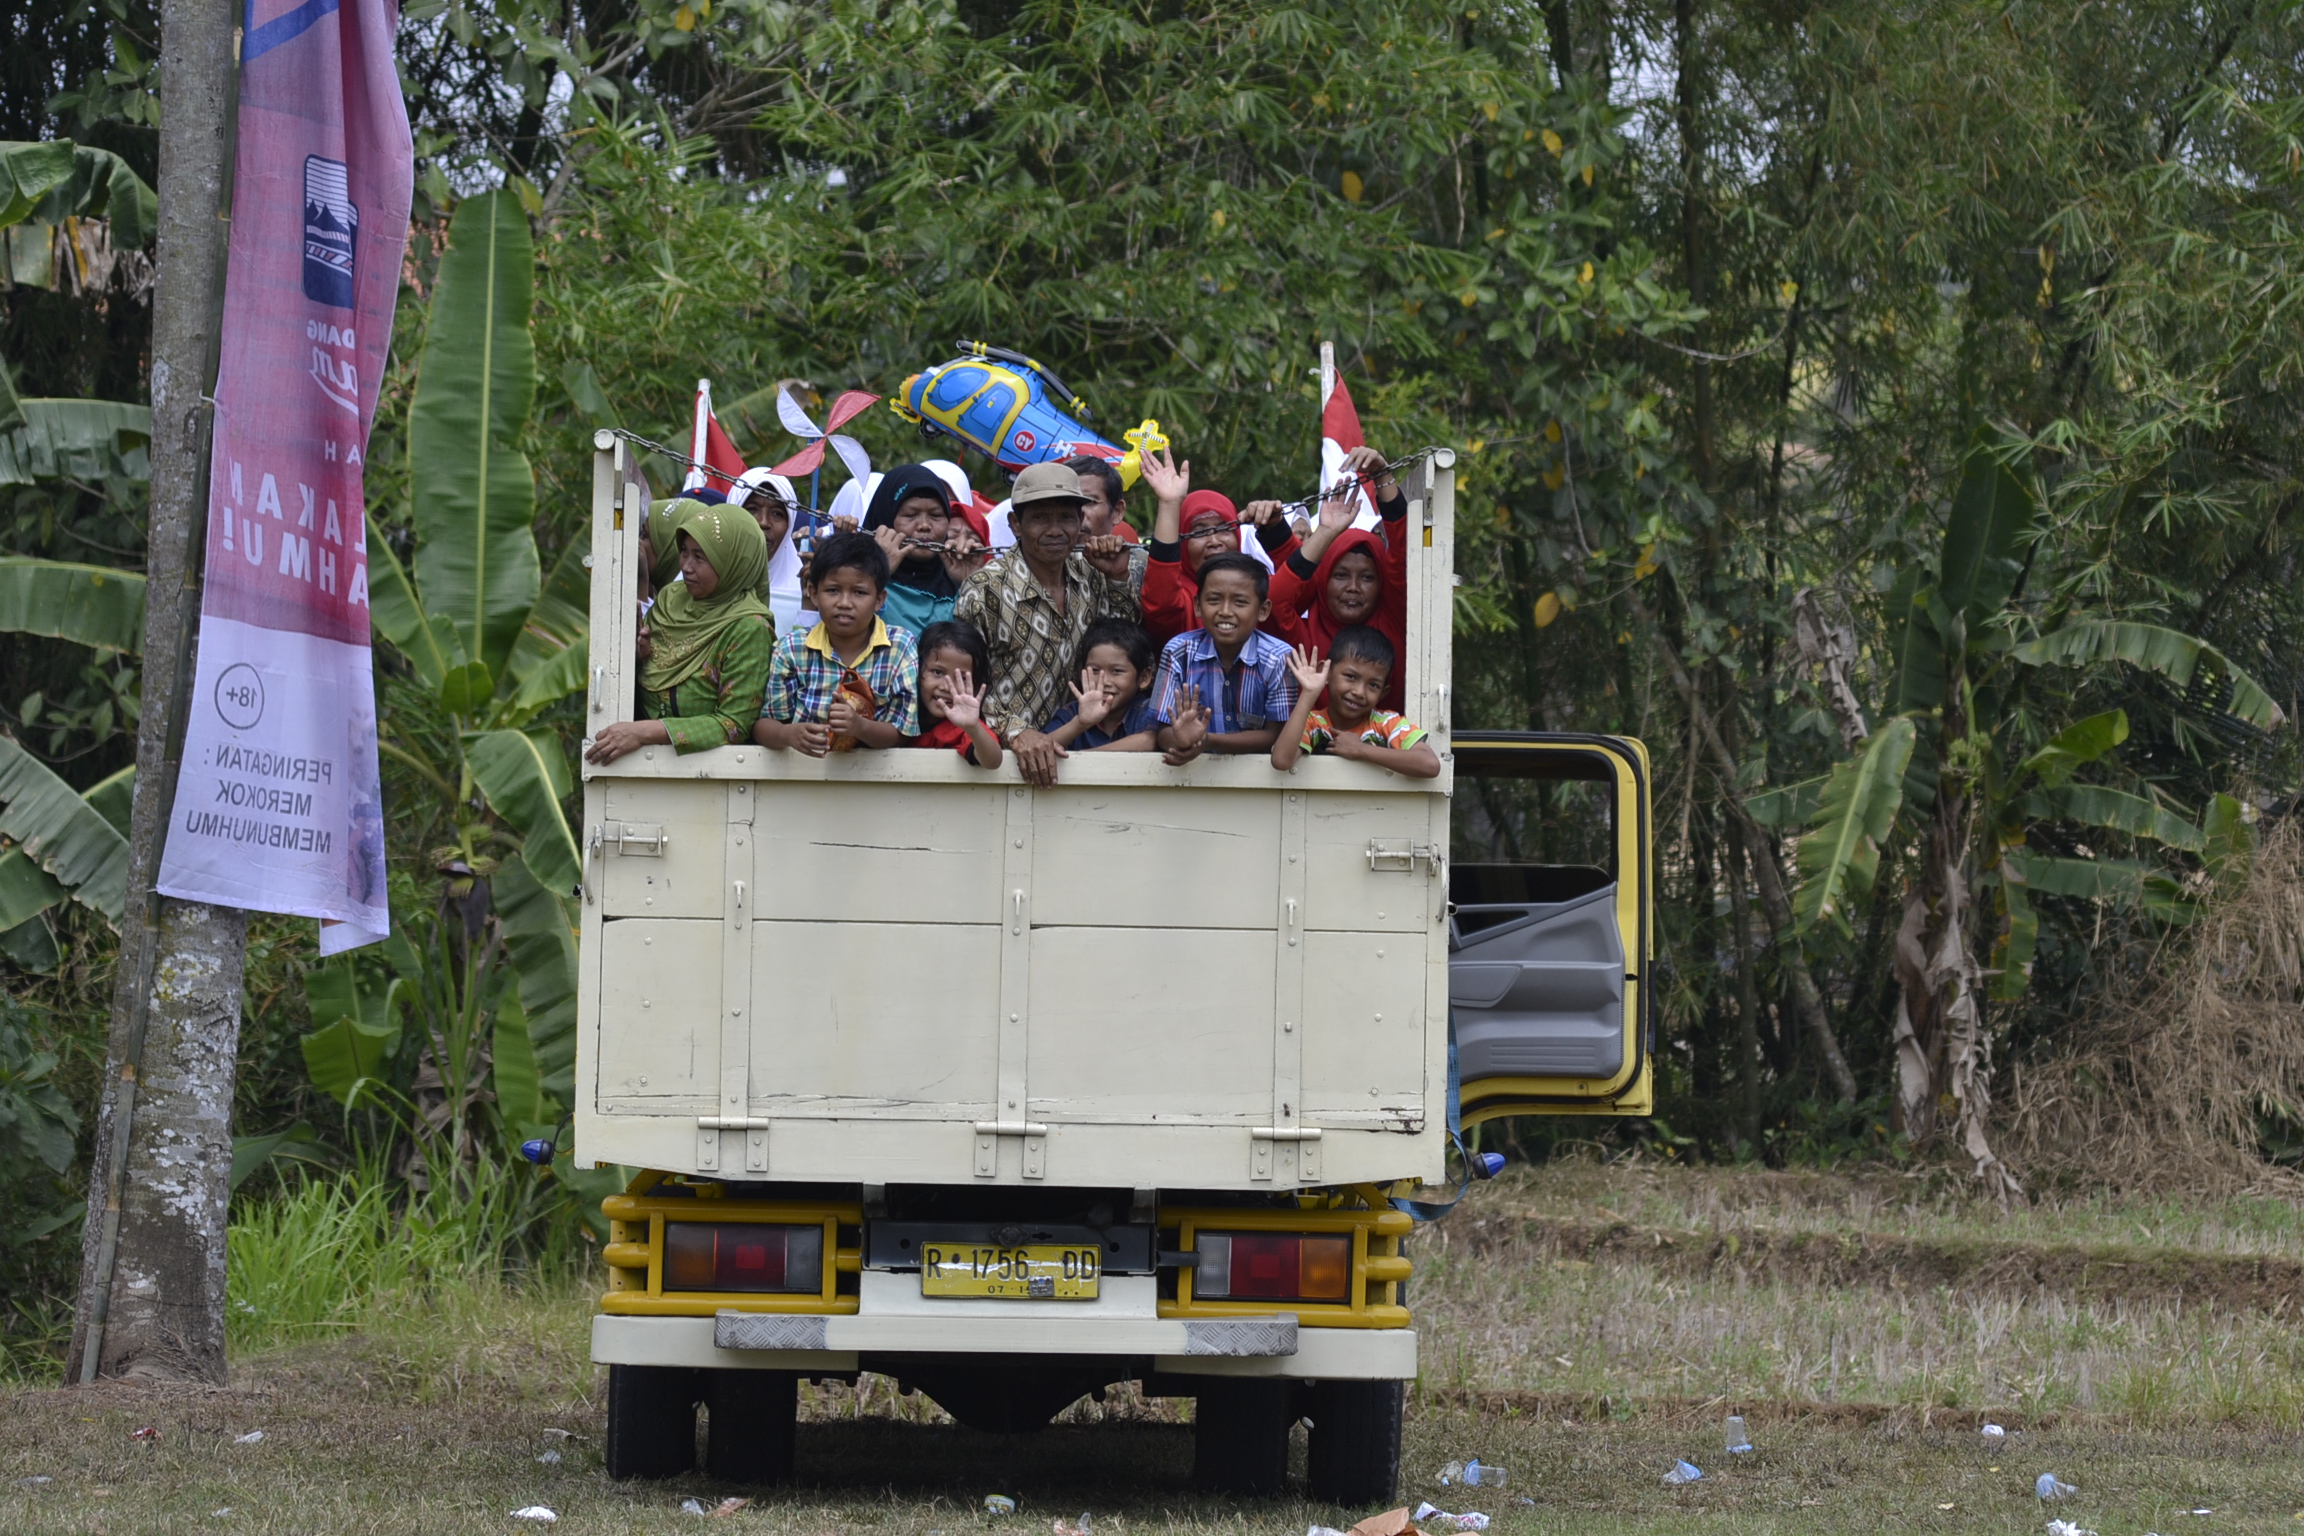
[[1272, 1266], [742, 1256]]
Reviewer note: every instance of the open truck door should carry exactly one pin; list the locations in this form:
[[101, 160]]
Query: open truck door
[[1549, 887]]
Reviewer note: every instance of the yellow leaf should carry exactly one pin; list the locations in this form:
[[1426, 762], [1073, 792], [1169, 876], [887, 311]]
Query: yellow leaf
[[1527, 134], [1468, 298], [1547, 609], [1496, 233], [1491, 108], [1790, 290], [1217, 218], [1353, 186], [1587, 175], [1476, 445], [684, 19], [1625, 638], [1555, 477], [1502, 517], [1552, 431], [1585, 276], [1320, 100], [1553, 143]]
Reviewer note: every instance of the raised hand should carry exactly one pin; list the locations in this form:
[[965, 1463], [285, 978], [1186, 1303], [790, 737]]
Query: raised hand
[[1167, 480], [1108, 553], [966, 705], [1090, 700], [1369, 462], [1310, 672], [1190, 727], [892, 545], [963, 556]]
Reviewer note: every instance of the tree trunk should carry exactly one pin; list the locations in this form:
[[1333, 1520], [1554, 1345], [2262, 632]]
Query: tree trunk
[[152, 1256]]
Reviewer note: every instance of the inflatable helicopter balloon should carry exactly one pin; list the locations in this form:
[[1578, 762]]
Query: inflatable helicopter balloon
[[1014, 410]]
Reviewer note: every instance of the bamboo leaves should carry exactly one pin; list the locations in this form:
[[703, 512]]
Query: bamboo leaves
[[1841, 853]]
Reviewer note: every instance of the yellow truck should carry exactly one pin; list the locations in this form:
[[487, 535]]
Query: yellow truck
[[1015, 1093]]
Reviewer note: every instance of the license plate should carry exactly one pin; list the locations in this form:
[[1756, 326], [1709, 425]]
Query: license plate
[[1034, 1272]]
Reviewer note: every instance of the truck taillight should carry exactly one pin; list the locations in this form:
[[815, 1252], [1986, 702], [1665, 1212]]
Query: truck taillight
[[1271, 1266], [742, 1256]]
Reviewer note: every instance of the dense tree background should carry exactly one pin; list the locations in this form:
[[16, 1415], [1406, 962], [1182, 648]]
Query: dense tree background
[[1713, 295]]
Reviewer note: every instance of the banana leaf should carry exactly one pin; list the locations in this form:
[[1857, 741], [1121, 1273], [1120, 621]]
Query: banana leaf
[[1786, 805], [89, 605], [2114, 880], [2012, 954], [1992, 508], [77, 440], [356, 1009], [540, 938], [61, 832], [472, 492], [2173, 655], [512, 1056], [32, 945], [28, 172], [26, 890], [2095, 805], [1841, 852], [513, 772], [2227, 840], [2075, 746]]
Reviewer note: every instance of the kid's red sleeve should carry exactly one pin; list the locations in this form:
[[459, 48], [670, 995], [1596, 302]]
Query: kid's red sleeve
[[1167, 597], [1394, 532], [1291, 591]]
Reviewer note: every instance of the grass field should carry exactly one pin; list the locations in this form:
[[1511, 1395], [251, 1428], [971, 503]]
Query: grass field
[[1583, 1326]]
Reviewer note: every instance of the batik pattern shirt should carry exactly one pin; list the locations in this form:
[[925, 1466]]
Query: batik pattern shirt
[[717, 706], [1257, 693], [1033, 645], [806, 673]]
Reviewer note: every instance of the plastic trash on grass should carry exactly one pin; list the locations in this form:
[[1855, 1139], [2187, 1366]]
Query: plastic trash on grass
[[1682, 1472], [1472, 1474], [999, 1504], [252, 1437], [549, 1458], [1738, 1441], [2068, 1528], [537, 1513], [1993, 1432], [2050, 1486], [1435, 1518], [1390, 1523], [719, 1511]]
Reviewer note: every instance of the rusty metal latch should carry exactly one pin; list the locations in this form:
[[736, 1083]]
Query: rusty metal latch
[[1399, 853]]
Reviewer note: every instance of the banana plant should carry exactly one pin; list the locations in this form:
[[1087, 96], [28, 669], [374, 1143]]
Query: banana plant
[[1955, 773], [54, 187], [494, 641]]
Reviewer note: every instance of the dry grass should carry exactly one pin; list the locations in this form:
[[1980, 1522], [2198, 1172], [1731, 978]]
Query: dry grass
[[2164, 1093]]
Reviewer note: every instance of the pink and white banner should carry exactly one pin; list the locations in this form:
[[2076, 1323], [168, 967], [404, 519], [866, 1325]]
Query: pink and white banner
[[279, 806]]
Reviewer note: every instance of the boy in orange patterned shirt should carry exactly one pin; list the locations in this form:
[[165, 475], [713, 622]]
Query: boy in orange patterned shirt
[[1359, 664]]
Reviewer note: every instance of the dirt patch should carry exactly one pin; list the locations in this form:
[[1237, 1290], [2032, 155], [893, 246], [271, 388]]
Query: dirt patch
[[2231, 1283]]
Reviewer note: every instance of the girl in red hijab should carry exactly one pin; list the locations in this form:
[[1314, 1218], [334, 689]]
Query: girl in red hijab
[[1189, 527], [1343, 575]]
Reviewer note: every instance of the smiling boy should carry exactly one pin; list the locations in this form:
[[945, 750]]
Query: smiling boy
[[1359, 665], [850, 680], [1224, 687]]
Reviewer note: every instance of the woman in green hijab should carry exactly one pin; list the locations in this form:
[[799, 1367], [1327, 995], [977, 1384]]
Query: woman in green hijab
[[705, 669]]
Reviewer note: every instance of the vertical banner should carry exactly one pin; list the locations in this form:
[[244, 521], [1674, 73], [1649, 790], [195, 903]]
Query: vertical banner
[[1340, 433], [279, 805]]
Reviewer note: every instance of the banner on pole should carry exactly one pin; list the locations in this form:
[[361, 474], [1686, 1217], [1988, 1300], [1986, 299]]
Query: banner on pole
[[279, 804]]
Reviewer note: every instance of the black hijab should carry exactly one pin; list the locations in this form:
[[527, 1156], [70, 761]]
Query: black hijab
[[922, 571]]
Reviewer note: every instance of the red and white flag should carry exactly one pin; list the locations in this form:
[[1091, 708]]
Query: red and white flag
[[1340, 433], [279, 806], [709, 444]]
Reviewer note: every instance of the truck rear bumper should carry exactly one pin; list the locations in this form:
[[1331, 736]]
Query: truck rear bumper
[[1169, 1346]]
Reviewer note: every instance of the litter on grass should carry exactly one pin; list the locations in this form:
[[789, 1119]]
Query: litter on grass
[[218, 1514], [535, 1512], [1738, 1441], [34, 1482], [250, 1438], [999, 1504], [2050, 1486], [148, 1432], [550, 1458], [1472, 1474], [1070, 1528], [2068, 1528], [1393, 1522], [719, 1511], [1682, 1472], [1439, 1519], [1993, 1432], [1323, 1530], [561, 1434]]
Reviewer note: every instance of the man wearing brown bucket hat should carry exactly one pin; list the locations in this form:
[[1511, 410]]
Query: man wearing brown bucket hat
[[1033, 606]]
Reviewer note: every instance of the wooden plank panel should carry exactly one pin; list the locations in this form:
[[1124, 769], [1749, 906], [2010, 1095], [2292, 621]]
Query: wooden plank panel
[[859, 1016], [1144, 1026], [1155, 858], [660, 984]]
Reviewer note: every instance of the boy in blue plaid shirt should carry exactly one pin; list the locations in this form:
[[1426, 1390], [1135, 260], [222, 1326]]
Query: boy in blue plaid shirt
[[1224, 687], [851, 681]]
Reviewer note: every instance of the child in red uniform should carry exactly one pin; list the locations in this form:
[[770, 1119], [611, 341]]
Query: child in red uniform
[[955, 669], [1342, 575], [1191, 528], [1358, 670]]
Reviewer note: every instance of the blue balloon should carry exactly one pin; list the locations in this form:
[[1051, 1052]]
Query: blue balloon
[[1014, 410]]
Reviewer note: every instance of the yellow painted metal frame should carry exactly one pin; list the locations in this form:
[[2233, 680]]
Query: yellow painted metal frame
[[635, 1252], [1632, 1091], [1378, 1265]]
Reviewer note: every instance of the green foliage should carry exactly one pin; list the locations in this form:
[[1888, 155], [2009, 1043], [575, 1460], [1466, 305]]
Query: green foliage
[[62, 833], [89, 605], [50, 181], [2154, 649], [1841, 853], [357, 1026], [516, 774]]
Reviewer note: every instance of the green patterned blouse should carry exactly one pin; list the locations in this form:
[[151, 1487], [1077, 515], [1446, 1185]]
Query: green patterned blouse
[[716, 707]]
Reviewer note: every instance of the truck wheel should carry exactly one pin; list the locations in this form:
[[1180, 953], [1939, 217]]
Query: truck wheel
[[1240, 1436], [1355, 1442], [651, 1420], [750, 1436]]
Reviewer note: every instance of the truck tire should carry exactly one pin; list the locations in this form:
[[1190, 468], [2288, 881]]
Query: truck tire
[[651, 1420], [1240, 1436], [749, 1439], [1355, 1442]]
